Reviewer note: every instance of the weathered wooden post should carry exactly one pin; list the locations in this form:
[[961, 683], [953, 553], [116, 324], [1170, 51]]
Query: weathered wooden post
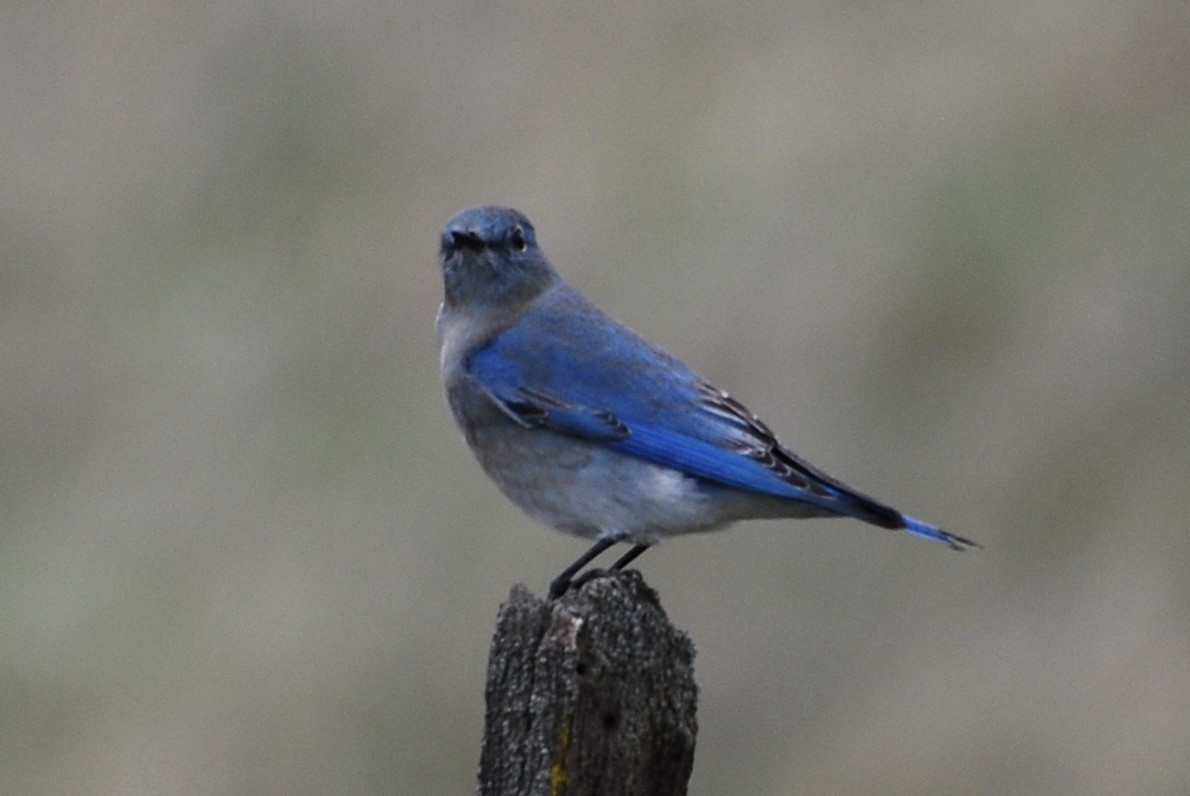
[[590, 694]]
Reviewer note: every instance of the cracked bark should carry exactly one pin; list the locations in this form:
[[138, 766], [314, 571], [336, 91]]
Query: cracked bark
[[590, 694]]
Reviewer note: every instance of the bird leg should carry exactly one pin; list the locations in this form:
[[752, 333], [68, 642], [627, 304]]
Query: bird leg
[[628, 557], [560, 584]]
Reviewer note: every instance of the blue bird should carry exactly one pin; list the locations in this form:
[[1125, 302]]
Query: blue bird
[[592, 429]]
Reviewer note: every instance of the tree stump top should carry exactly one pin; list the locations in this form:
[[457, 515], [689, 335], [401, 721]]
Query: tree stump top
[[593, 693]]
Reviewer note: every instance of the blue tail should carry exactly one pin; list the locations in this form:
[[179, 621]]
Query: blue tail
[[923, 530]]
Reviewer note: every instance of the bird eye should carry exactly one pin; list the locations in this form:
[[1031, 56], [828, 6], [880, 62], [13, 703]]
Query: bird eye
[[518, 239]]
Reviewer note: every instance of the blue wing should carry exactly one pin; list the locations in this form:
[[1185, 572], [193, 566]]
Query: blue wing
[[574, 370]]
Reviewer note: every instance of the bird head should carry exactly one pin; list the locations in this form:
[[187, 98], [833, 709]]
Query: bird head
[[490, 258]]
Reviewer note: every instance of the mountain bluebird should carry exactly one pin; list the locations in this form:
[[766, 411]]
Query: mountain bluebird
[[593, 430]]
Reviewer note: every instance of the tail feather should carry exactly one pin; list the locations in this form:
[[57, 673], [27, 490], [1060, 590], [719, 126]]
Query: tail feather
[[919, 528]]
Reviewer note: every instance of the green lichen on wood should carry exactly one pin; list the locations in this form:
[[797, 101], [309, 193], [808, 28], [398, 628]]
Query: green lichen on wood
[[558, 777]]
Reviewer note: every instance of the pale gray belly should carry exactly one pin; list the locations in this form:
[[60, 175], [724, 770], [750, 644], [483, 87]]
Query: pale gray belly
[[589, 490]]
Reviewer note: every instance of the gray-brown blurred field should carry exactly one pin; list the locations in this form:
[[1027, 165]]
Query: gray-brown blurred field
[[942, 248]]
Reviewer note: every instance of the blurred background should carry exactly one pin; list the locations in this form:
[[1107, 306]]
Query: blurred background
[[943, 249]]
